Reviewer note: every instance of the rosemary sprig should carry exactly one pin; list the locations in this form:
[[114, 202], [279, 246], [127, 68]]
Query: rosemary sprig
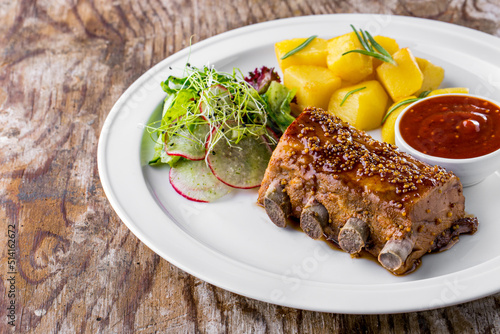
[[424, 94], [371, 47], [298, 48], [405, 102], [350, 93]]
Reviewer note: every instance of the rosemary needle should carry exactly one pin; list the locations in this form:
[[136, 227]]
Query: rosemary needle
[[371, 47], [298, 48], [378, 47], [405, 102], [349, 93], [424, 94]]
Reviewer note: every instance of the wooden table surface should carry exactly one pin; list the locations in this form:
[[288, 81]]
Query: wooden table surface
[[78, 269]]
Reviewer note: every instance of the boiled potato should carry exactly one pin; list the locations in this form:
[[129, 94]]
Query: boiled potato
[[313, 54], [388, 129], [352, 67], [451, 90], [389, 44], [315, 84], [372, 76], [363, 109], [433, 75], [402, 79]]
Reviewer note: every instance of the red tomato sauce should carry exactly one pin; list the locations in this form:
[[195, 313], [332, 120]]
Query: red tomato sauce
[[456, 127]]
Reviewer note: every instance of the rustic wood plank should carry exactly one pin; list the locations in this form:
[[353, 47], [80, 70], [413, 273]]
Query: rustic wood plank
[[63, 65]]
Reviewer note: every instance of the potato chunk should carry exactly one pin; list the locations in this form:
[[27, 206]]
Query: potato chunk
[[352, 67], [363, 109], [451, 90], [313, 54], [388, 130], [402, 79], [315, 84], [433, 75], [389, 44]]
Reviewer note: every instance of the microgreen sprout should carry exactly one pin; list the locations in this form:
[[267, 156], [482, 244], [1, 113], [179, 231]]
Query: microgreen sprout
[[371, 47]]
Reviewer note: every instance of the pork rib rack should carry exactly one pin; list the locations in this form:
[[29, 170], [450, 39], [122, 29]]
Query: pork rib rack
[[361, 193]]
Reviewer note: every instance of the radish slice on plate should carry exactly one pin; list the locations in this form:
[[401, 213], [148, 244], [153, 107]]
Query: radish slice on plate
[[189, 145], [240, 165], [195, 181]]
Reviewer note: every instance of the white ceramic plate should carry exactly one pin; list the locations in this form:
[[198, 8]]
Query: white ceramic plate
[[232, 244]]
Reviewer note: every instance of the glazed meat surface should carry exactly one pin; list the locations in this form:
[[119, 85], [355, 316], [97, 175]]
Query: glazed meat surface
[[362, 194]]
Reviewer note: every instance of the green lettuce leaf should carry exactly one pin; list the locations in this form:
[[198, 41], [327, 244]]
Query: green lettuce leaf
[[160, 156], [278, 99], [175, 105]]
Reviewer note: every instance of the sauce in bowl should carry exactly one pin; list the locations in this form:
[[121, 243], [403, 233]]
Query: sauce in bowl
[[452, 126]]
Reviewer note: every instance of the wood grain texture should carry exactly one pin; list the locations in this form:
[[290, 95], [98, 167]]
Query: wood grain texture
[[63, 64]]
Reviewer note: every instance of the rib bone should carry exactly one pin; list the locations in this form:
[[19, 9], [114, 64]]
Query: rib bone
[[313, 218], [395, 252], [353, 236], [277, 204]]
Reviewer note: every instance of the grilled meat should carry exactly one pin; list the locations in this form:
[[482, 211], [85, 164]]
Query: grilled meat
[[361, 193]]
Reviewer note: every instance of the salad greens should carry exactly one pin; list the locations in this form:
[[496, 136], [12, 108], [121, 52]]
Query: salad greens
[[278, 99], [228, 105]]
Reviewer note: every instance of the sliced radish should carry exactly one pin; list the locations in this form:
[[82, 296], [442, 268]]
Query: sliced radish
[[189, 145], [195, 181], [242, 165]]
